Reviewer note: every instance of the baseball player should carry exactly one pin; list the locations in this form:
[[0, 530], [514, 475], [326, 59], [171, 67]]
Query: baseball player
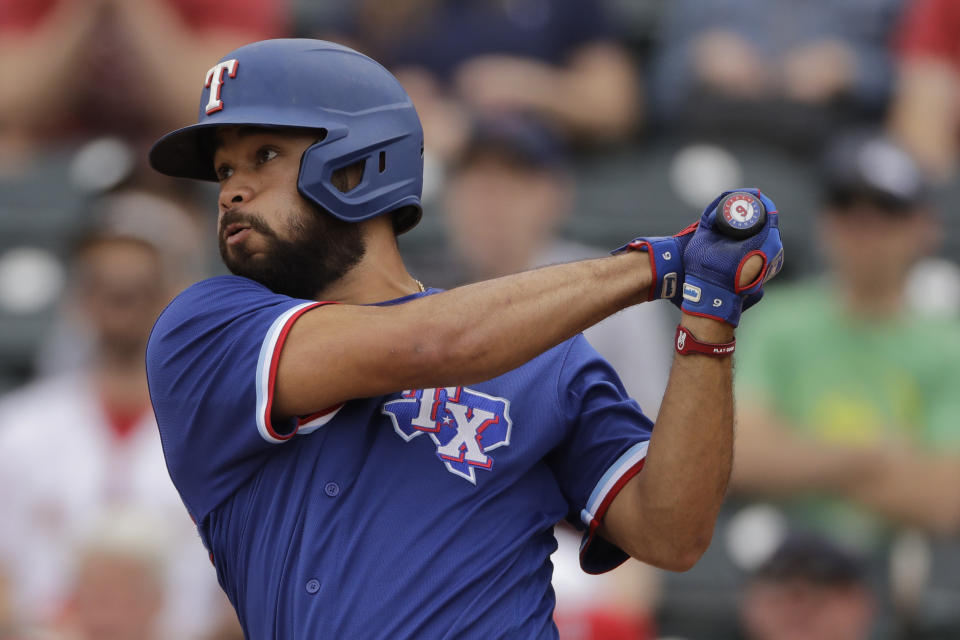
[[368, 458]]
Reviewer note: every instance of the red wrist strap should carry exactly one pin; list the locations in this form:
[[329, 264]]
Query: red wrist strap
[[687, 344]]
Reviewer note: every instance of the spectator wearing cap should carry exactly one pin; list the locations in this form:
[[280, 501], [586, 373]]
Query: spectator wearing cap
[[808, 589], [847, 413]]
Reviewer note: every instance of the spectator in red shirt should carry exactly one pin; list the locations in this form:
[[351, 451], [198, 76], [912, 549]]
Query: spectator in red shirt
[[80, 445], [115, 66], [926, 109]]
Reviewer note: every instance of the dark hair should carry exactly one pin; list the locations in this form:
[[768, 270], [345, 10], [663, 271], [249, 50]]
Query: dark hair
[[812, 558], [866, 166], [92, 240]]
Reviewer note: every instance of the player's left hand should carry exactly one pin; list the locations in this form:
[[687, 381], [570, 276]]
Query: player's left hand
[[713, 264]]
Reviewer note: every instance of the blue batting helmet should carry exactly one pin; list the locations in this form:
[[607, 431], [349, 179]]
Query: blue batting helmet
[[361, 112]]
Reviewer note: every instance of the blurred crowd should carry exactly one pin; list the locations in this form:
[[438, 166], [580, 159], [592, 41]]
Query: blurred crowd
[[555, 130]]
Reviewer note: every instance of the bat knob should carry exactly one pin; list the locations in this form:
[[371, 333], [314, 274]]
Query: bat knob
[[740, 215]]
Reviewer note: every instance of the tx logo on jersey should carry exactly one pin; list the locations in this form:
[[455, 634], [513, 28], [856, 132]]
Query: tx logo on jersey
[[464, 424]]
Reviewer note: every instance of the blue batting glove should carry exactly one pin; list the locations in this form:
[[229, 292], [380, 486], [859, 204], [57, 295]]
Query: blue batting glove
[[712, 263], [666, 262]]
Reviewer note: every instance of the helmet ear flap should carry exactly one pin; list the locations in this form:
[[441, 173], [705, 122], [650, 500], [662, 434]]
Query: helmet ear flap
[[351, 175]]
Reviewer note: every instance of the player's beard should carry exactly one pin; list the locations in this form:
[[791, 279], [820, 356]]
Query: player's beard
[[322, 251]]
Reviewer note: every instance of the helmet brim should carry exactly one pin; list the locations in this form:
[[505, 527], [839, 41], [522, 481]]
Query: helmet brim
[[186, 152]]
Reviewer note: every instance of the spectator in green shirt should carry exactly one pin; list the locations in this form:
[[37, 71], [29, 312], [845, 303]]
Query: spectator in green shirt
[[849, 401]]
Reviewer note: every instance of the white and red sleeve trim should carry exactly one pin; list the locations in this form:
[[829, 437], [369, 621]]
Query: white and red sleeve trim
[[309, 424], [610, 484], [267, 371]]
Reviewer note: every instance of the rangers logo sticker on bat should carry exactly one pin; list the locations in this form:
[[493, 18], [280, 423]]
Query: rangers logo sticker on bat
[[742, 211]]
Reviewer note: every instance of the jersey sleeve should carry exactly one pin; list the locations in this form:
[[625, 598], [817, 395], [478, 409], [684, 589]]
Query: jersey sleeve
[[605, 446], [211, 363]]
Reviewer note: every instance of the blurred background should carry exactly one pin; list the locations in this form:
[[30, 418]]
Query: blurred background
[[555, 130]]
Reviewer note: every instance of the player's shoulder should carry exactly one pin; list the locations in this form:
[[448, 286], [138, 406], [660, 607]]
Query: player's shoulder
[[227, 290], [204, 308], [216, 297]]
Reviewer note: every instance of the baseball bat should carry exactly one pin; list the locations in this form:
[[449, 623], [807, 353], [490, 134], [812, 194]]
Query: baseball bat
[[740, 215]]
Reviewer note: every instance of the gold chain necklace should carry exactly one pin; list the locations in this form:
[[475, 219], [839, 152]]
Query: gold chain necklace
[[420, 284]]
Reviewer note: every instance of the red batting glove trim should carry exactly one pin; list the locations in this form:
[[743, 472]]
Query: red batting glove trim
[[646, 246], [689, 229]]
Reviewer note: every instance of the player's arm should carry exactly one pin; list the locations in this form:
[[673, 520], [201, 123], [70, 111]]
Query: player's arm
[[665, 514], [468, 334]]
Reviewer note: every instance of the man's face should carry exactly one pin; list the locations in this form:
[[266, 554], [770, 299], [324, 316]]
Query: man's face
[[116, 598], [866, 243], [500, 213], [121, 288], [800, 610], [267, 231]]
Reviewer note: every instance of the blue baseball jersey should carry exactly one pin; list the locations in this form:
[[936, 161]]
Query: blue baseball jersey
[[427, 513]]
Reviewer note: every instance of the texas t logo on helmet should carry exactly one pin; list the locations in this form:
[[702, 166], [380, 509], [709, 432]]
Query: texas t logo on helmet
[[214, 82]]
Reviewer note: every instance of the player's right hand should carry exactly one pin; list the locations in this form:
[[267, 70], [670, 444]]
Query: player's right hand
[[713, 263]]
